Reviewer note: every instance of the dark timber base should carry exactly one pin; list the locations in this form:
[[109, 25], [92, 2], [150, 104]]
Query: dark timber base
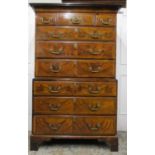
[[37, 140]]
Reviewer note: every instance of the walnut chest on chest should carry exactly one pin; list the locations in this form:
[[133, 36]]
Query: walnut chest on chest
[[74, 89]]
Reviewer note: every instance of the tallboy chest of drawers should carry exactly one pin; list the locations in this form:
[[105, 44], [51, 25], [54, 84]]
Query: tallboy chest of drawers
[[74, 89]]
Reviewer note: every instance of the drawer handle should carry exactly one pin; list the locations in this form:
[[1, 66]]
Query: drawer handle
[[105, 21], [94, 128], [55, 68], [95, 69], [95, 35], [95, 52], [56, 36], [54, 107], [76, 20], [94, 107], [56, 51], [92, 90], [54, 89], [55, 127], [46, 20]]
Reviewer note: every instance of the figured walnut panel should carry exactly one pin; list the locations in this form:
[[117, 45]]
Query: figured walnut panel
[[76, 19], [95, 68], [69, 88], [55, 68], [101, 125], [95, 106], [48, 125], [53, 105], [53, 88], [74, 105], [84, 50], [75, 33], [75, 68]]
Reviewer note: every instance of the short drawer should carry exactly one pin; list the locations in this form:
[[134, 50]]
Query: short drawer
[[75, 68], [46, 18], [46, 33], [76, 19], [95, 106], [53, 105], [105, 19], [55, 68], [51, 125], [75, 50], [97, 125], [70, 88]]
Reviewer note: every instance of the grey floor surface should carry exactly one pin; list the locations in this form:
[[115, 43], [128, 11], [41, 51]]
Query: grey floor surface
[[82, 148]]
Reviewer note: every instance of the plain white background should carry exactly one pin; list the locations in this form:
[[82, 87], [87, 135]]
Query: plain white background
[[121, 69], [14, 77]]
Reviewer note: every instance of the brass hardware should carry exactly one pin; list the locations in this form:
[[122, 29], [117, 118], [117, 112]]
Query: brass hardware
[[95, 52], [54, 89], [54, 126], [94, 128], [56, 35], [105, 21], [95, 69], [95, 107], [92, 90], [56, 52], [54, 107], [55, 68], [76, 20], [46, 20], [95, 35]]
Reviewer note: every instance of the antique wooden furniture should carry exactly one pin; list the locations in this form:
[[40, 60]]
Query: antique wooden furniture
[[74, 89]]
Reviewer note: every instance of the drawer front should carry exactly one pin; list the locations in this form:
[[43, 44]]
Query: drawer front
[[52, 125], [74, 105], [75, 33], [96, 50], [76, 19], [95, 105], [85, 19], [75, 50], [53, 105], [55, 50], [53, 88], [97, 125], [75, 68], [57, 68], [66, 88], [103, 19], [96, 68], [46, 18], [96, 89]]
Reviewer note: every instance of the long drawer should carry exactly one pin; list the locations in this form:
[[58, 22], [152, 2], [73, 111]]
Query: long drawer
[[86, 19], [71, 88], [75, 68], [83, 125], [84, 50], [75, 33], [74, 105]]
